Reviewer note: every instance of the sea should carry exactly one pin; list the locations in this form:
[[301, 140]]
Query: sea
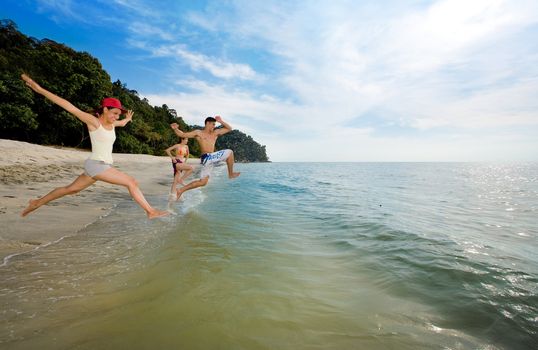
[[295, 256]]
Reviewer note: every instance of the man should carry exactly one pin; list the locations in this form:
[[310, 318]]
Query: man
[[206, 139]]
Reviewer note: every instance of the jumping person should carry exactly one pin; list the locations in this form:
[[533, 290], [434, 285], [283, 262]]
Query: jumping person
[[99, 165], [206, 139], [179, 162]]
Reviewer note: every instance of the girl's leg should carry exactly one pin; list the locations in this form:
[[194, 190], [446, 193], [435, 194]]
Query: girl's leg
[[180, 178], [116, 177], [186, 171], [175, 182], [177, 176], [78, 185]]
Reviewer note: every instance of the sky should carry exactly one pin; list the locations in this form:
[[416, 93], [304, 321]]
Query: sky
[[372, 80]]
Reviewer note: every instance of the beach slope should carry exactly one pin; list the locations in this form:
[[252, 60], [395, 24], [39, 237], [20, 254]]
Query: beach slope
[[28, 171]]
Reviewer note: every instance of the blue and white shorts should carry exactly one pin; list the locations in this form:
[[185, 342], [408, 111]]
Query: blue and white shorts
[[209, 159]]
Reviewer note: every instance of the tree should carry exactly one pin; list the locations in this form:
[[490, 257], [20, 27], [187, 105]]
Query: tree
[[244, 147]]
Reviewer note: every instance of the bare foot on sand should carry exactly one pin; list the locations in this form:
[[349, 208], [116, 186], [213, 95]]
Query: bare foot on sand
[[32, 205], [158, 214], [233, 175]]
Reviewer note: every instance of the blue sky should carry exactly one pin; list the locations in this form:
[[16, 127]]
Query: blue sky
[[416, 80]]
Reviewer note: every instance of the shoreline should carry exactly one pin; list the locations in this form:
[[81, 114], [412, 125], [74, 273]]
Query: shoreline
[[29, 171]]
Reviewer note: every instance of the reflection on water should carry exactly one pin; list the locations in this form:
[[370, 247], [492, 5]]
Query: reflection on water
[[288, 259]]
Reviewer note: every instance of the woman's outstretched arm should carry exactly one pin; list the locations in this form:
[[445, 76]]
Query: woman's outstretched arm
[[124, 121], [84, 117]]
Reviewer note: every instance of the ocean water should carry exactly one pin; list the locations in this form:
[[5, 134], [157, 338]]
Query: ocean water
[[296, 256]]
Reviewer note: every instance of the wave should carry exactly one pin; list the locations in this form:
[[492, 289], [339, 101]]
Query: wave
[[472, 295], [278, 188]]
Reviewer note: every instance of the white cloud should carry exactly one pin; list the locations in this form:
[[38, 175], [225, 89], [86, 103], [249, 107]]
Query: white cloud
[[346, 144], [217, 67], [428, 39], [147, 30], [404, 61], [97, 13], [198, 62], [453, 64], [515, 105], [208, 100], [61, 10], [311, 136], [137, 7]]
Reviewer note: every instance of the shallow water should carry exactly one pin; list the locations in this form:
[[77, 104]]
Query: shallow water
[[296, 256]]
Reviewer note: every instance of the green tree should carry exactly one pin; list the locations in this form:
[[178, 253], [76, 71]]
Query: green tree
[[244, 147]]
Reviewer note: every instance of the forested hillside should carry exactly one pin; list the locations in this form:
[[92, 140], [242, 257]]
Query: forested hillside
[[80, 78], [244, 146]]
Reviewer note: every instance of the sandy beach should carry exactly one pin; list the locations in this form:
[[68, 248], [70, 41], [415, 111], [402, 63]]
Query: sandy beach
[[29, 171]]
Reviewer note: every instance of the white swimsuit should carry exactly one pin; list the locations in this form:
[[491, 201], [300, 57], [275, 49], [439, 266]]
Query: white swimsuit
[[101, 158], [102, 142]]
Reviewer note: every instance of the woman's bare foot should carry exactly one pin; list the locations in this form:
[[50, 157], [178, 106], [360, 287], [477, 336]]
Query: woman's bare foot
[[158, 214], [234, 175], [32, 205]]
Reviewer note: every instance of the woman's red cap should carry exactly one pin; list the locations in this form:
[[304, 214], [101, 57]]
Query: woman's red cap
[[111, 102]]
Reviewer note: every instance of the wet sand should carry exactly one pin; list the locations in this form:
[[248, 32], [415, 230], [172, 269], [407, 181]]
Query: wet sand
[[29, 171]]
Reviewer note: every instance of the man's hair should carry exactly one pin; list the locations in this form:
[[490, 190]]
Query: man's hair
[[209, 120]]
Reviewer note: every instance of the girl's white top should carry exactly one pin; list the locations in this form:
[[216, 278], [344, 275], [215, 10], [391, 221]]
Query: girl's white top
[[102, 141]]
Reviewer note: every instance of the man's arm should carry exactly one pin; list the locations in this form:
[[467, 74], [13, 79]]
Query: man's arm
[[225, 126], [180, 133]]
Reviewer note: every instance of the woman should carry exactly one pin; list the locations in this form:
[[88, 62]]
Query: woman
[[179, 162], [99, 165]]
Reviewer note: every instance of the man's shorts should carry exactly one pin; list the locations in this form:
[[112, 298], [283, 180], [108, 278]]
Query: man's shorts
[[209, 159]]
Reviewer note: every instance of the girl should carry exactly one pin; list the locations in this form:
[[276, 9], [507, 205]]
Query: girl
[[179, 162], [99, 165]]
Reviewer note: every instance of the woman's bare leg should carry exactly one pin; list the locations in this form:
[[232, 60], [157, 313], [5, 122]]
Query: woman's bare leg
[[116, 177], [177, 176], [78, 185], [186, 171]]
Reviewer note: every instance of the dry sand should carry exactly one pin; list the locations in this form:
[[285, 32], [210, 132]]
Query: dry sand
[[29, 171]]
